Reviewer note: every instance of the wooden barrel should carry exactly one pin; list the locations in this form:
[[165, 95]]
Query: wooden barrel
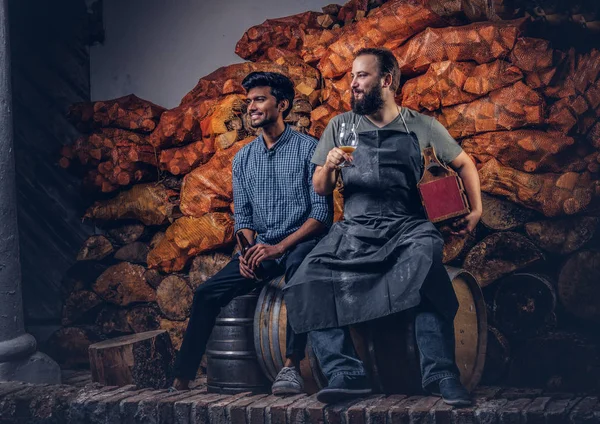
[[230, 355], [270, 321], [387, 346]]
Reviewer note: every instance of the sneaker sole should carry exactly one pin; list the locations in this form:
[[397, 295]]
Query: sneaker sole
[[278, 391], [337, 395]]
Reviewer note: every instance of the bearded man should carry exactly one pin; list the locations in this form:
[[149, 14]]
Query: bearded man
[[385, 256]]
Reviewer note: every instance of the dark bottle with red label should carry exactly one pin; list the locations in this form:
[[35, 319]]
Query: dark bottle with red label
[[245, 246]]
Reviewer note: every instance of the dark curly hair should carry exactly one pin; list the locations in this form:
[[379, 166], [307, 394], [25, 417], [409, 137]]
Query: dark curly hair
[[282, 87]]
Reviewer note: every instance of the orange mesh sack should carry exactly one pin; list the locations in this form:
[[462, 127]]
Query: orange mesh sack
[[320, 117], [508, 108], [208, 188], [287, 32], [148, 203], [181, 125], [491, 76], [127, 112], [481, 42], [228, 79], [551, 194], [526, 150], [188, 237], [389, 26], [181, 160], [440, 86]]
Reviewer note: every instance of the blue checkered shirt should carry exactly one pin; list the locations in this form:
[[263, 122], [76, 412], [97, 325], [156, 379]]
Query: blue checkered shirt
[[272, 188]]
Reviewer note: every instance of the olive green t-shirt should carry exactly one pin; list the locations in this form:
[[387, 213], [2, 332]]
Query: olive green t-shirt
[[427, 129]]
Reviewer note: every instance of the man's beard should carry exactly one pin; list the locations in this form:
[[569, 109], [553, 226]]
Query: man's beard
[[263, 122], [370, 103]]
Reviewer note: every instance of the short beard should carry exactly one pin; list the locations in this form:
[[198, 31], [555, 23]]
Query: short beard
[[263, 123], [371, 102]]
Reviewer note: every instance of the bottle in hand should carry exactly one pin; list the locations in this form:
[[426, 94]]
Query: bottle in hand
[[245, 246]]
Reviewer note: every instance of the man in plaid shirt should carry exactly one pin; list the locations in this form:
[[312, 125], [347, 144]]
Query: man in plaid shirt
[[275, 205]]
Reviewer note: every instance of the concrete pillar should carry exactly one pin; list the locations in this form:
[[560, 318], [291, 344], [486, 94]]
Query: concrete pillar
[[18, 357]]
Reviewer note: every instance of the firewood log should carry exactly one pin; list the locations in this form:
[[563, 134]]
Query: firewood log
[[208, 188], [526, 150], [205, 266], [302, 75], [320, 117], [80, 276], [563, 236], [558, 362], [176, 330], [143, 359], [501, 215], [123, 284], [500, 254], [135, 252], [148, 203], [337, 93], [594, 136], [188, 237], [581, 71], [143, 318], [315, 44], [174, 298], [91, 149], [524, 305], [112, 321], [127, 233], [69, 345], [153, 277], [497, 357], [578, 288], [456, 246], [181, 160], [389, 26], [287, 32], [95, 248], [480, 42], [81, 307], [551, 194], [508, 108], [127, 112]]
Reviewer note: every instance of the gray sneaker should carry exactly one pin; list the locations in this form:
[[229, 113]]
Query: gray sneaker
[[288, 382]]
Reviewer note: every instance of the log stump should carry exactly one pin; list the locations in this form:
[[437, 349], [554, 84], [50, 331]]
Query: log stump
[[143, 359], [578, 287], [500, 254], [502, 215], [524, 305]]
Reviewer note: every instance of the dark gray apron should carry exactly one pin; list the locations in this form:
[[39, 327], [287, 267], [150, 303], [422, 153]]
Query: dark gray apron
[[384, 255]]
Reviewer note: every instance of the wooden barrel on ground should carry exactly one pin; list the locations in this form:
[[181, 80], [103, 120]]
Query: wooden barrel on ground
[[387, 345], [230, 355], [270, 322]]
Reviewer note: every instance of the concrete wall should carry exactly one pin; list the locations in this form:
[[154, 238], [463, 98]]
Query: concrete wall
[[158, 49]]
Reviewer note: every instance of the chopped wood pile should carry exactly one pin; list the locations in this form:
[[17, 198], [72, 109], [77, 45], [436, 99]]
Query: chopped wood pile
[[528, 115]]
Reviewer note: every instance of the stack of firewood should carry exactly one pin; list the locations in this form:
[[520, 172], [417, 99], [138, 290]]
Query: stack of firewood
[[527, 113]]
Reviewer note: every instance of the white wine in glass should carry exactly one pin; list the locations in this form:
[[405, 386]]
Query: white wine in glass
[[347, 142]]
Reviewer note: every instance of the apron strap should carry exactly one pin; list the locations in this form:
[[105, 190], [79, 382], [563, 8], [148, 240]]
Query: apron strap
[[403, 121]]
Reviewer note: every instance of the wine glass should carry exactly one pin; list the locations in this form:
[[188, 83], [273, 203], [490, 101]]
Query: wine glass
[[347, 141]]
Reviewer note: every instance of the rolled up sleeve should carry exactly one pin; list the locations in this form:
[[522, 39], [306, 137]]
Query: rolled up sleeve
[[242, 207], [321, 206]]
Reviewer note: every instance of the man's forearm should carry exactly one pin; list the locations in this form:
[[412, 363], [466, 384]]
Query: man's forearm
[[324, 180], [470, 178], [309, 229]]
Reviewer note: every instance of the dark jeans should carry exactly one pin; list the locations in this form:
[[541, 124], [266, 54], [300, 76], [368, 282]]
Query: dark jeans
[[217, 292], [435, 339]]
